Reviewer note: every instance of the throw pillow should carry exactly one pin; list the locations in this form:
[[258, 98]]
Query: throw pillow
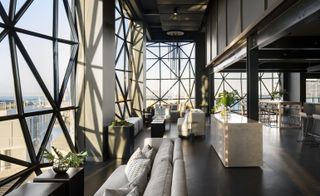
[[136, 168], [136, 155], [146, 148], [140, 181], [150, 154]]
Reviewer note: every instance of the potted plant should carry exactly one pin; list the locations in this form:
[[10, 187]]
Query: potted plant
[[225, 100], [62, 163], [278, 95], [120, 139]]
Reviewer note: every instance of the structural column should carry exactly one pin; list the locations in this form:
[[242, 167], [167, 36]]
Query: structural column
[[252, 79], [95, 74]]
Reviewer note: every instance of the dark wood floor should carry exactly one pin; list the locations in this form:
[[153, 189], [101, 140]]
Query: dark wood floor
[[289, 168]]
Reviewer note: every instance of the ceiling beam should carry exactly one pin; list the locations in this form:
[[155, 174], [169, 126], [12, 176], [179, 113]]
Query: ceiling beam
[[295, 43], [281, 26], [289, 54]]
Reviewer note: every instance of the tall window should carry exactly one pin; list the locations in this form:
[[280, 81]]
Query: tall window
[[268, 82], [38, 47], [170, 73], [128, 64], [313, 90]]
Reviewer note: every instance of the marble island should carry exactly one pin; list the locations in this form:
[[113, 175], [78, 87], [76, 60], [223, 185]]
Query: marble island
[[237, 140]]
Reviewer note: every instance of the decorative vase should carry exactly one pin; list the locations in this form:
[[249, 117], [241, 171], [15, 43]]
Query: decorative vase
[[60, 167]]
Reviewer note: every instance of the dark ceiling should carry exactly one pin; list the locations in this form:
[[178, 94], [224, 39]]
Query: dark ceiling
[[159, 18]]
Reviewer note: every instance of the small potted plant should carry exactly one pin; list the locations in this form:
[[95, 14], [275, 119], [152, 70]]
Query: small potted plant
[[62, 163], [225, 100], [278, 95]]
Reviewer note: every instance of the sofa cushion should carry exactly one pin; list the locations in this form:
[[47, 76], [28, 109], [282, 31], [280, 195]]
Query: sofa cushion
[[149, 152], [138, 175], [177, 150], [136, 168], [122, 192], [146, 148], [116, 180], [179, 186], [136, 155], [165, 152], [160, 183]]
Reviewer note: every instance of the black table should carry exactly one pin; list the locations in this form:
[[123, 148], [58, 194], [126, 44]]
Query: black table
[[158, 126], [73, 180], [39, 189]]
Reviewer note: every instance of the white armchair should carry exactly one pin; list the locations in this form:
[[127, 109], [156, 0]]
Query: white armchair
[[192, 123]]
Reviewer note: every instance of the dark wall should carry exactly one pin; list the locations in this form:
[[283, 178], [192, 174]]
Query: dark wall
[[226, 19], [201, 82]]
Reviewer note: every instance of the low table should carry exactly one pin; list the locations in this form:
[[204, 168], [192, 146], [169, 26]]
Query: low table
[[158, 126], [73, 180]]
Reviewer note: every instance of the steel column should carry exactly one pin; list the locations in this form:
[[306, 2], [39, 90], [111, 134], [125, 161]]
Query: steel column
[[252, 79]]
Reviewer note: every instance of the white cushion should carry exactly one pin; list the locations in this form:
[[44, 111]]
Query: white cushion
[[136, 168], [138, 174], [136, 155]]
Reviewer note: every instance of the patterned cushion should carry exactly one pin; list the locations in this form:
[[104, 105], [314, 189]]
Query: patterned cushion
[[136, 155], [138, 173], [136, 167]]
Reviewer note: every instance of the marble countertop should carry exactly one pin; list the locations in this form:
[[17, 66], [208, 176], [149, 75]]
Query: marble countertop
[[233, 118]]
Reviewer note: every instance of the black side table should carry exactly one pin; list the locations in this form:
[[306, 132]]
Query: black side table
[[73, 180], [158, 126]]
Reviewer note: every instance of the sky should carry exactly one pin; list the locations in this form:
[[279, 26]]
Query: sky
[[38, 18]]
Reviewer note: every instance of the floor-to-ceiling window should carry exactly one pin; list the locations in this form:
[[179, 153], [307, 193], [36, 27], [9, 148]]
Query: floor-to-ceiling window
[[129, 64], [268, 82], [38, 47], [170, 73], [313, 90]]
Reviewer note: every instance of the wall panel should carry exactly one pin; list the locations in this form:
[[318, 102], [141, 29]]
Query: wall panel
[[233, 19], [251, 10], [213, 9], [222, 22]]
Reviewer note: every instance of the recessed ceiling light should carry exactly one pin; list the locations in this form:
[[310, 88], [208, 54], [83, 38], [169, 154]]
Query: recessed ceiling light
[[175, 11]]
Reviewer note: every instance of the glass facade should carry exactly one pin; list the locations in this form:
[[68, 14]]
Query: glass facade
[[37, 98], [268, 82], [313, 90], [170, 73], [128, 64]]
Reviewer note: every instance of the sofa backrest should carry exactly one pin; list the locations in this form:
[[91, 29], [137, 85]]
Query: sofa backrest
[[177, 180]]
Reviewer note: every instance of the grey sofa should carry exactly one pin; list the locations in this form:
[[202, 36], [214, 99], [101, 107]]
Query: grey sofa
[[137, 123], [167, 174]]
